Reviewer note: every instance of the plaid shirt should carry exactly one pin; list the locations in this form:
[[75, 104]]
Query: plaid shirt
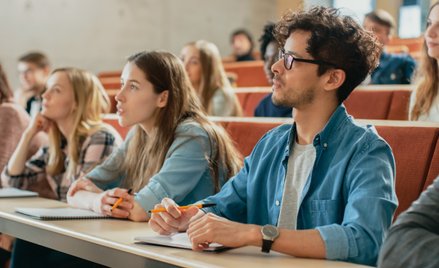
[[34, 177]]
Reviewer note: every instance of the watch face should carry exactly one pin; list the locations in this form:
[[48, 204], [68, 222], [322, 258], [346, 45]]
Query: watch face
[[270, 231]]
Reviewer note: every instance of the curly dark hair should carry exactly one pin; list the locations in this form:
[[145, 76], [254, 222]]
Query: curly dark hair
[[267, 37], [335, 39]]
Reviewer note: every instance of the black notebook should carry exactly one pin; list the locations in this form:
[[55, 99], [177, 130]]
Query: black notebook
[[60, 213]]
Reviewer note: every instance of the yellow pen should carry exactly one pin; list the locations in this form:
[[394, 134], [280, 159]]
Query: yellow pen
[[183, 207], [117, 203]]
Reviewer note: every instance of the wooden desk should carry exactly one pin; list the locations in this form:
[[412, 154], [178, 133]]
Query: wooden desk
[[110, 242]]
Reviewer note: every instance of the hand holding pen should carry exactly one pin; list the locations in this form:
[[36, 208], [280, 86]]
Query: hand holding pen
[[174, 218], [117, 202]]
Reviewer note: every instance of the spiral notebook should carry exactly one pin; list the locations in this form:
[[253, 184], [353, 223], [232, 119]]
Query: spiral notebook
[[67, 213], [179, 240]]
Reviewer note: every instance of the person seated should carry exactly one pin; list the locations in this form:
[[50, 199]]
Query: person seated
[[424, 101], [33, 69], [242, 46], [413, 239], [173, 149], [269, 51], [206, 73], [392, 68], [322, 187], [13, 121], [78, 139]]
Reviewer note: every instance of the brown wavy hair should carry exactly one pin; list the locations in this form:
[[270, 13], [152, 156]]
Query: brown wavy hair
[[147, 153], [427, 77], [5, 89], [335, 39]]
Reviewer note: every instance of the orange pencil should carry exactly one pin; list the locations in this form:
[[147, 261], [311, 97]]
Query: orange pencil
[[117, 203], [183, 207]]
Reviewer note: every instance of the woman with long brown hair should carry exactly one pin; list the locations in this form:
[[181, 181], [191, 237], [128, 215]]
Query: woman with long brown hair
[[424, 104], [173, 150], [204, 67]]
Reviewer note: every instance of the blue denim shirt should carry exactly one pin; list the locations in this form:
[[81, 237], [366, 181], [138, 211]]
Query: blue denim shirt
[[185, 175], [349, 196], [394, 69]]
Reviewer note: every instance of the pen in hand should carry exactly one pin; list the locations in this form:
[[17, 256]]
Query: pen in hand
[[117, 203], [182, 207]]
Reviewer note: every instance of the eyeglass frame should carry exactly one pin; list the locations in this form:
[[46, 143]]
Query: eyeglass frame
[[282, 54]]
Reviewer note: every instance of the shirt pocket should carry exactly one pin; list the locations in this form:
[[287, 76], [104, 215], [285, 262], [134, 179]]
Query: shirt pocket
[[324, 212]]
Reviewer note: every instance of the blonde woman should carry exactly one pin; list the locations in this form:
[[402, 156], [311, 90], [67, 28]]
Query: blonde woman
[[173, 149], [78, 140], [424, 104], [203, 65]]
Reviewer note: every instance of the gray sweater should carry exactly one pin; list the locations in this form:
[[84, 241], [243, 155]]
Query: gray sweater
[[413, 241]]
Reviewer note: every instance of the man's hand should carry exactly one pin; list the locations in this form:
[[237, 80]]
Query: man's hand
[[214, 229]]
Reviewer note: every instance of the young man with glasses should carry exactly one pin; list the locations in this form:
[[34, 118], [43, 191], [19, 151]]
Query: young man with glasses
[[33, 69], [322, 187]]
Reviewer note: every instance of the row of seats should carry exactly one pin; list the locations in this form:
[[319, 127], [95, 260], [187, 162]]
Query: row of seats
[[372, 102], [415, 147], [389, 102]]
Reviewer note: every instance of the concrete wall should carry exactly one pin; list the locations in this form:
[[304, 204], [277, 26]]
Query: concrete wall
[[98, 35]]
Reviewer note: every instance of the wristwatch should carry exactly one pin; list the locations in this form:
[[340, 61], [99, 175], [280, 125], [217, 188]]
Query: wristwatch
[[269, 234]]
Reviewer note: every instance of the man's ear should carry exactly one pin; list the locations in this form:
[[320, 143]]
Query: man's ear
[[335, 79], [163, 99]]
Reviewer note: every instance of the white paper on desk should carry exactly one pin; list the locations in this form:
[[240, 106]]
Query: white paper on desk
[[178, 240], [14, 192], [66, 213]]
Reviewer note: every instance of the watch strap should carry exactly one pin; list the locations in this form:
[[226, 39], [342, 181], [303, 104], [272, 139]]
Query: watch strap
[[266, 245]]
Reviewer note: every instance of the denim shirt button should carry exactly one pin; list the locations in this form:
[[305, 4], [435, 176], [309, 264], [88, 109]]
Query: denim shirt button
[[325, 145], [277, 203]]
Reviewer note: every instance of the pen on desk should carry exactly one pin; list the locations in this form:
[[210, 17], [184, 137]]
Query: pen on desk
[[117, 203], [183, 207]]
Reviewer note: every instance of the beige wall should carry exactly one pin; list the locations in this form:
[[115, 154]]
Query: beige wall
[[283, 5], [391, 6]]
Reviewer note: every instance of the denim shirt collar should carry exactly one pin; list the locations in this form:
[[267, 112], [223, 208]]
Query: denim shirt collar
[[323, 137]]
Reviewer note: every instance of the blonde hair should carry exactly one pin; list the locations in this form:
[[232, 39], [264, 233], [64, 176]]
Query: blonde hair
[[146, 153], [427, 77], [91, 100], [213, 77]]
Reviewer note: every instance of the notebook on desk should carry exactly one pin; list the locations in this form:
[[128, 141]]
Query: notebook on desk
[[179, 240], [14, 192], [60, 213]]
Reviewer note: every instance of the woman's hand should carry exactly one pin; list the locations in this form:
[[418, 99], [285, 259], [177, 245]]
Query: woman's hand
[[38, 123]]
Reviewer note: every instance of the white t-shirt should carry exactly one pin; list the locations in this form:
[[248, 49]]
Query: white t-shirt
[[300, 163]]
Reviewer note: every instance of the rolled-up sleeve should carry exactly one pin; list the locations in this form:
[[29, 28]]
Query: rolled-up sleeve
[[371, 203]]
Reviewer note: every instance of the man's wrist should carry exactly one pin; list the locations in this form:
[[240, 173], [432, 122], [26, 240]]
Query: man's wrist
[[254, 236]]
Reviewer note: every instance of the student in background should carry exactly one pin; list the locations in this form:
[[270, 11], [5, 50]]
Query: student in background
[[413, 239], [424, 102], [269, 51], [13, 121], [78, 139], [173, 149], [307, 189], [33, 69], [392, 68], [203, 65], [242, 45]]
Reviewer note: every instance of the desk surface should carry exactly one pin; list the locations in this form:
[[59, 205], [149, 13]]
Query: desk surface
[[110, 242]]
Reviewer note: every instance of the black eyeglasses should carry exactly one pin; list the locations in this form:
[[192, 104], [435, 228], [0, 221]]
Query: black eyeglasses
[[289, 58]]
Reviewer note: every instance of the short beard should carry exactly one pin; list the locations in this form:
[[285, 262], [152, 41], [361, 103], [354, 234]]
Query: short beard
[[304, 98]]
